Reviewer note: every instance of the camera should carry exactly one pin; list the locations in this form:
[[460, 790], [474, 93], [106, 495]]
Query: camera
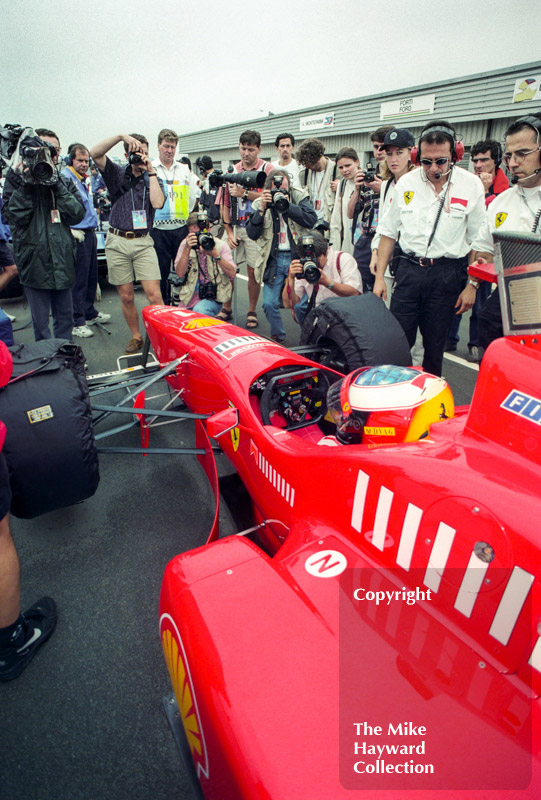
[[310, 270], [251, 179], [38, 164], [175, 285], [207, 291], [280, 200], [135, 158], [205, 240], [369, 174]]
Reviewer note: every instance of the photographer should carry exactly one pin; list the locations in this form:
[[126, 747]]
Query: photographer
[[205, 268], [40, 206], [280, 214], [135, 192], [320, 272], [209, 193], [363, 208], [235, 208], [317, 175]]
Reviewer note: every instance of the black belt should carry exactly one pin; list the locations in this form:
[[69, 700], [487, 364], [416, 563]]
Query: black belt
[[422, 261], [127, 234]]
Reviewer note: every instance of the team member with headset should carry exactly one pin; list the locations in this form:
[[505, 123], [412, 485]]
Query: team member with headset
[[517, 209], [438, 211]]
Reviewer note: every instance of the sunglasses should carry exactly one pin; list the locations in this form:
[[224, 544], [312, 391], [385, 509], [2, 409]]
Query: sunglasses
[[427, 162]]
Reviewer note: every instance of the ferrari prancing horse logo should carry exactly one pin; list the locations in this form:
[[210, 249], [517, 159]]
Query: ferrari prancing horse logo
[[408, 197], [500, 218]]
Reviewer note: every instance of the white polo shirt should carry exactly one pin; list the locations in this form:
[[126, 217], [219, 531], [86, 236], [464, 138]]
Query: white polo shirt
[[512, 210], [414, 209]]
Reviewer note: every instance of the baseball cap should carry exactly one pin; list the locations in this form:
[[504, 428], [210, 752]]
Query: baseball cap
[[399, 137]]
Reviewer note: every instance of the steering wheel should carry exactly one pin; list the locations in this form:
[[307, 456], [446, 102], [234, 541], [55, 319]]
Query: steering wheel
[[299, 396]]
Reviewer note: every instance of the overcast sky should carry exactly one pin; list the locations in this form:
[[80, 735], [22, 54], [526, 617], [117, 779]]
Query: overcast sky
[[94, 69]]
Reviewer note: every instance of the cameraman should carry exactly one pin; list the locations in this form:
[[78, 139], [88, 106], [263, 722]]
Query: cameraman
[[363, 208], [208, 196], [206, 275], [275, 223], [135, 192], [339, 278], [40, 215]]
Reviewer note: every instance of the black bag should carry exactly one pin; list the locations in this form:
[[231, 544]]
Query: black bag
[[362, 327], [49, 448]]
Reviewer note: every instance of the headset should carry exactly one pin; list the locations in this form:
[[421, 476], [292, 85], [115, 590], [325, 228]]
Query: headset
[[457, 147], [72, 152], [535, 123]]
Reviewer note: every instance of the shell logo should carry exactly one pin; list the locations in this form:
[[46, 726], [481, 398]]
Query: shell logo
[[181, 680], [207, 322]]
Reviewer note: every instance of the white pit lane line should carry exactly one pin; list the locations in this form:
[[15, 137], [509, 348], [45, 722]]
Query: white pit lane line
[[461, 361]]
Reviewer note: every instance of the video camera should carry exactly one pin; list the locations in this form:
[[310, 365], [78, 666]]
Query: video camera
[[205, 239], [310, 270], [280, 199], [251, 179]]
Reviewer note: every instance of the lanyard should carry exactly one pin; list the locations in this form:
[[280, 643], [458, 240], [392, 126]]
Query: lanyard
[[144, 196]]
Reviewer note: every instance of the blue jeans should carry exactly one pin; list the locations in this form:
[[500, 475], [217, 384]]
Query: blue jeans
[[272, 293], [208, 307]]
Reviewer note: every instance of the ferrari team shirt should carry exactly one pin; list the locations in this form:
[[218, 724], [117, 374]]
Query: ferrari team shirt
[[512, 210], [414, 208]]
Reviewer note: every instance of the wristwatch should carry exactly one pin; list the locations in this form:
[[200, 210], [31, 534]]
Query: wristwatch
[[246, 194], [473, 283]]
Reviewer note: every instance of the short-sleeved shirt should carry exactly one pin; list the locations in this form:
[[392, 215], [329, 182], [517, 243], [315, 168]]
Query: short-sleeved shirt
[[137, 198], [240, 208], [348, 273], [513, 210], [415, 207]]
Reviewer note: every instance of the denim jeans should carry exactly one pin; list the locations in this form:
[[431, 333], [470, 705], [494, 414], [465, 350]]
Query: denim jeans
[[208, 307], [272, 293]]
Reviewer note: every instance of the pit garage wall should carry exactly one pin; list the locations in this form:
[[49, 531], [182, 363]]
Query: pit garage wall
[[479, 106]]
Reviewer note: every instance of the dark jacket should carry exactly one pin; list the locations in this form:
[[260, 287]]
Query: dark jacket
[[300, 218], [44, 250]]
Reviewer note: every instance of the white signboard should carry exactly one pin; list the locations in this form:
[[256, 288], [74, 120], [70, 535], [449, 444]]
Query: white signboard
[[408, 107], [317, 122], [528, 88]]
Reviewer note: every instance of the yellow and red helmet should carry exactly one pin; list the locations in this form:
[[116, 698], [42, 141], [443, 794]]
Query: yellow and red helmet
[[388, 404]]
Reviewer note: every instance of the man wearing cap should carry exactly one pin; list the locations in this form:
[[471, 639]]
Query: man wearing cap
[[438, 211], [181, 192]]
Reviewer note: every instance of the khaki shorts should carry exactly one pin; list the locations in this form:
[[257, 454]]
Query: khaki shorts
[[247, 250], [130, 260]]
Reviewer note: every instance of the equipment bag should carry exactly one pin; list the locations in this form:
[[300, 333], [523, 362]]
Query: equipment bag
[[362, 327], [49, 448]]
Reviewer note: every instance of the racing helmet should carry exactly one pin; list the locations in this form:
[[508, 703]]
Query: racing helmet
[[388, 404]]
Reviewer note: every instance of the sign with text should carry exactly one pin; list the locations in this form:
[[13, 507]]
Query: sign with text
[[408, 107], [317, 122]]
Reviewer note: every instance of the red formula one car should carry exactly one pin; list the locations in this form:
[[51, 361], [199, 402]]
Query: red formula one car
[[376, 632]]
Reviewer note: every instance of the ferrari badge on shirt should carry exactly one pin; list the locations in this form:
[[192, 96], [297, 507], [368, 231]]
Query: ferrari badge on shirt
[[500, 218], [408, 197]]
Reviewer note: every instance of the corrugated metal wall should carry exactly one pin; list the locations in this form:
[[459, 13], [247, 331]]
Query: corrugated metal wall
[[472, 104]]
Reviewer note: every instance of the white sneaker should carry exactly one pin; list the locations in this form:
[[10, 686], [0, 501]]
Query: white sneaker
[[82, 331], [10, 316], [100, 318]]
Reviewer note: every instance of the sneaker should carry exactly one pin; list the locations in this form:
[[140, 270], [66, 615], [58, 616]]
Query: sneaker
[[10, 316], [473, 354], [39, 622], [82, 331], [133, 346], [103, 318], [278, 339]]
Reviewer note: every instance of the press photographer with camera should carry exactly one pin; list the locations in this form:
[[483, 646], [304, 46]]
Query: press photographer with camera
[[318, 273], [363, 207], [204, 268], [135, 192], [40, 205], [317, 173], [281, 215], [235, 208]]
